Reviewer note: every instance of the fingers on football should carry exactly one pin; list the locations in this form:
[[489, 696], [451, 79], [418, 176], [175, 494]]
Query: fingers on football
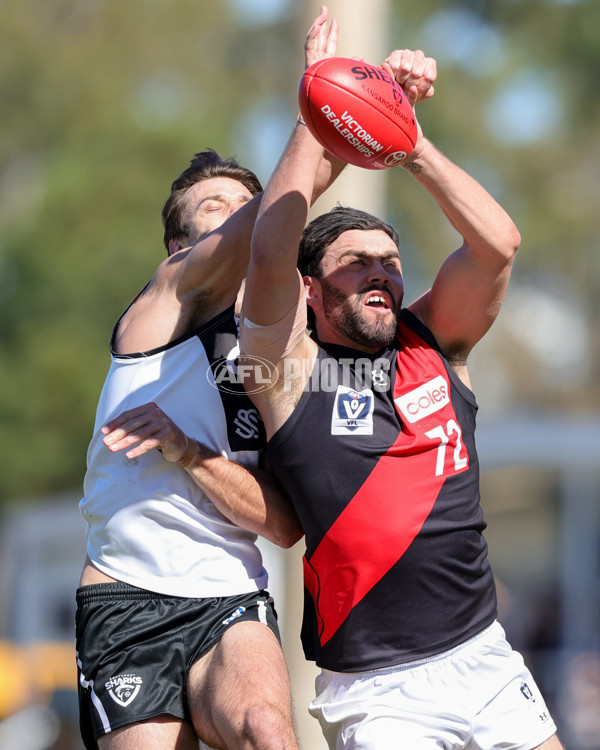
[[414, 71]]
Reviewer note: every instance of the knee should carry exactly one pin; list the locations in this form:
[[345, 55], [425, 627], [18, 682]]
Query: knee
[[268, 726]]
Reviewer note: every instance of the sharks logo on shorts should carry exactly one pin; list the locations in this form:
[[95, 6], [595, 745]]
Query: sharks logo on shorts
[[124, 688], [352, 412]]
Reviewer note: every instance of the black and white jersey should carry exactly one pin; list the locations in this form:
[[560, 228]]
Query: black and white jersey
[[149, 524]]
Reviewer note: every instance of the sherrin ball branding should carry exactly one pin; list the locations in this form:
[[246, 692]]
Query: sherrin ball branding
[[357, 112]]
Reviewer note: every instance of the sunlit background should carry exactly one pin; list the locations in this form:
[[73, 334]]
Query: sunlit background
[[103, 103]]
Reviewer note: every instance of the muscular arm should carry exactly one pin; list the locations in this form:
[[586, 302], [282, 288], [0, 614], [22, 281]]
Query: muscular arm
[[272, 267], [222, 257], [469, 289], [470, 286], [249, 497], [280, 222]]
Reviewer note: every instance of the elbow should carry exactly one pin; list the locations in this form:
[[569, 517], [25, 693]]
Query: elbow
[[290, 540], [503, 246], [286, 536], [513, 242]]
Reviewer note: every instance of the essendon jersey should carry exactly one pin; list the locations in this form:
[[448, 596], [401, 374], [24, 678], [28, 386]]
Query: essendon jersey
[[379, 459]]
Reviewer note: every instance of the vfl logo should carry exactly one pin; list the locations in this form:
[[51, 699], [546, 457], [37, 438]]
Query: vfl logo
[[246, 423], [352, 412], [124, 688], [527, 693], [424, 400], [392, 160]]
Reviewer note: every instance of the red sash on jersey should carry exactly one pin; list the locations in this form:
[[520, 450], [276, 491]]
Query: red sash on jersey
[[386, 514]]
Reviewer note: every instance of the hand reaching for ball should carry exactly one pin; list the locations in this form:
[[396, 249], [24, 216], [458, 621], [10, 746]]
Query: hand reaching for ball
[[321, 41]]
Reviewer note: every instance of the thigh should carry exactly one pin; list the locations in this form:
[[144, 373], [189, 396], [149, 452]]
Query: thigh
[[388, 733], [159, 733], [241, 684], [395, 708], [516, 716]]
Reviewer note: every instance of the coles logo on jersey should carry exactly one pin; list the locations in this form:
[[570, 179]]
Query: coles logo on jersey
[[352, 412], [124, 688], [424, 400]]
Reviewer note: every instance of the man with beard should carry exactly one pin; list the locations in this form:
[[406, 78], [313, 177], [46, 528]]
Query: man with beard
[[370, 425]]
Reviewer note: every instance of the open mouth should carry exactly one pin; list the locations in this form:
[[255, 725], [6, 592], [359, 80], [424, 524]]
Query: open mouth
[[378, 301]]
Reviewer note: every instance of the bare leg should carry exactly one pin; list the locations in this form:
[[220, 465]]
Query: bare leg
[[239, 692], [160, 733]]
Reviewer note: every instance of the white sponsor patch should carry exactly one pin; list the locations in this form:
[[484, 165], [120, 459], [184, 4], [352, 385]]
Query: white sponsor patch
[[424, 400], [352, 412]]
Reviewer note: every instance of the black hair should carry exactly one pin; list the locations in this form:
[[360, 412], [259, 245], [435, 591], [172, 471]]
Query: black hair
[[325, 229]]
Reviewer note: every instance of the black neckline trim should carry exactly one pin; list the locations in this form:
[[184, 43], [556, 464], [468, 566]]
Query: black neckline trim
[[191, 333]]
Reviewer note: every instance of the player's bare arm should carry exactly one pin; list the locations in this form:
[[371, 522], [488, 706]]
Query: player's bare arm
[[470, 287], [272, 267], [281, 218], [218, 260], [247, 496], [204, 271]]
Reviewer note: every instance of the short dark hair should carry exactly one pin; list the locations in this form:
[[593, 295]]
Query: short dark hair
[[203, 166], [325, 229]]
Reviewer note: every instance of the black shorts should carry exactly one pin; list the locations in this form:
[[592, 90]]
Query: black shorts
[[135, 649]]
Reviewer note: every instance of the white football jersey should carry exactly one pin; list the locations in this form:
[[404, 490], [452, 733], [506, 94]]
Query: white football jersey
[[148, 523]]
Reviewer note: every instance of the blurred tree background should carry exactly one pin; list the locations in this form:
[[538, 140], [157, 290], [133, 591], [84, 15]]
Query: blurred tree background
[[104, 102]]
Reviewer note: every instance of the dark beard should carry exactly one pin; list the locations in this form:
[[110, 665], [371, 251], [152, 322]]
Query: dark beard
[[348, 319]]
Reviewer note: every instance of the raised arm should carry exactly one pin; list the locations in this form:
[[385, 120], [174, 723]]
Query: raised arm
[[281, 219], [247, 496], [471, 284], [221, 258], [303, 170]]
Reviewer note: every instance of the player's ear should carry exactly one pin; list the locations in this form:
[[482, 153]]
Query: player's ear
[[176, 245], [312, 289]]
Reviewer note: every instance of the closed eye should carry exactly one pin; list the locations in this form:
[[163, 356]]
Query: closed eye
[[211, 206]]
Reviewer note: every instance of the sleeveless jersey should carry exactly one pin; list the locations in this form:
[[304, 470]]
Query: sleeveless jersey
[[148, 523], [379, 460]]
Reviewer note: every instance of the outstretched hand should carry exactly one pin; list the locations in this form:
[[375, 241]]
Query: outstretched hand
[[321, 41], [147, 427]]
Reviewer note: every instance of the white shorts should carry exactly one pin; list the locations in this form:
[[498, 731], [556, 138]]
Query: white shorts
[[479, 695]]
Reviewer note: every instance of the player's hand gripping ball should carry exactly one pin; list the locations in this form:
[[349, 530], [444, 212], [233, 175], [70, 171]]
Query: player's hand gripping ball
[[357, 112]]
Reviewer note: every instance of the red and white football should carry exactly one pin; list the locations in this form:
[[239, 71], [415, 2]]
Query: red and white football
[[357, 112]]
